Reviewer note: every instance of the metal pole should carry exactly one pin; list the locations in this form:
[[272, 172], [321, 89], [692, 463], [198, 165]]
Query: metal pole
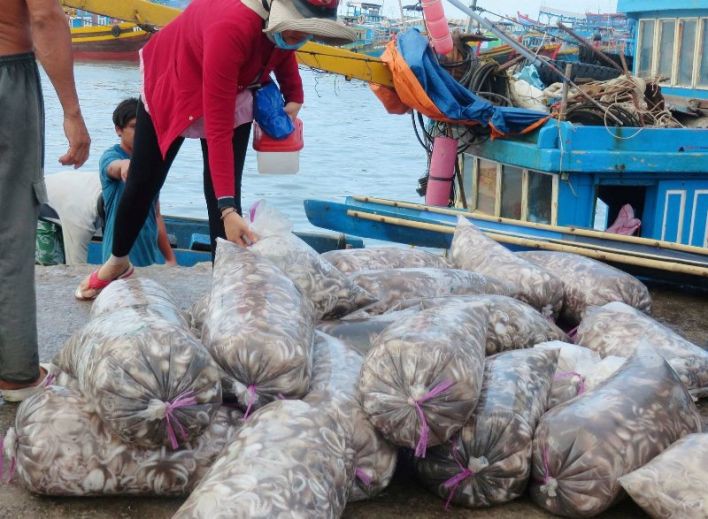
[[590, 46], [469, 22], [521, 49], [564, 95]]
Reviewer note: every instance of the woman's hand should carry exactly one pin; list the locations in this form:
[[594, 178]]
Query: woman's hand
[[292, 109], [237, 230]]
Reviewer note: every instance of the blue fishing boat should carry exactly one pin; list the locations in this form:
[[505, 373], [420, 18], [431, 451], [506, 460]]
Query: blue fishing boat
[[563, 185], [189, 238]]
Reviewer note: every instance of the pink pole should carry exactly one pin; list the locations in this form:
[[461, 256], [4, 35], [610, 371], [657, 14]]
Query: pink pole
[[442, 171]]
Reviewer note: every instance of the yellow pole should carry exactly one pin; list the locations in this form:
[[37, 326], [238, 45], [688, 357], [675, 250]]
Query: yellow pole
[[568, 230], [314, 55]]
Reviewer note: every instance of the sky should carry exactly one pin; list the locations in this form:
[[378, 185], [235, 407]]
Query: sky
[[510, 7]]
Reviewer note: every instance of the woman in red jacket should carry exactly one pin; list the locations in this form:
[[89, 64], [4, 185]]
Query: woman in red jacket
[[198, 72]]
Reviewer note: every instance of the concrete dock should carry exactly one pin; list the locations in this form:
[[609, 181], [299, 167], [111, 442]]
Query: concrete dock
[[59, 315]]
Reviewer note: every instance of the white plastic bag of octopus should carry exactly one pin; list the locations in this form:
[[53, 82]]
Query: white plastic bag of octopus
[[361, 332], [617, 329], [397, 289], [197, 314], [421, 380], [673, 485], [512, 324], [149, 378], [587, 282], [575, 363], [331, 292], [258, 327], [489, 461], [289, 459], [137, 292], [335, 374], [582, 448], [472, 250], [61, 447], [381, 258]]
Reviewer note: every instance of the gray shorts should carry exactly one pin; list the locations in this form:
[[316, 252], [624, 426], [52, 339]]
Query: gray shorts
[[22, 189]]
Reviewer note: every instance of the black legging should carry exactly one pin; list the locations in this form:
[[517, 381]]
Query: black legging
[[147, 174]]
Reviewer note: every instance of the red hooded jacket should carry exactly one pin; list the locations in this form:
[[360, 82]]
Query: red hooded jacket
[[196, 65]]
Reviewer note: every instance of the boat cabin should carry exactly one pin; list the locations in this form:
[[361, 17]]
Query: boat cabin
[[566, 174], [672, 43]]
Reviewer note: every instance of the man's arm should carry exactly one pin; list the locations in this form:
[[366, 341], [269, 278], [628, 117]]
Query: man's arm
[[163, 241], [52, 43]]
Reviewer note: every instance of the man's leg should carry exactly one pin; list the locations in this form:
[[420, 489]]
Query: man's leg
[[21, 191], [240, 146]]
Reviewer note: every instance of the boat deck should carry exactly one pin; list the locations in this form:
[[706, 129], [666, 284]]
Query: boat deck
[[60, 315]]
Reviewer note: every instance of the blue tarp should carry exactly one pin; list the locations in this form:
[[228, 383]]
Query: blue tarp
[[452, 99]]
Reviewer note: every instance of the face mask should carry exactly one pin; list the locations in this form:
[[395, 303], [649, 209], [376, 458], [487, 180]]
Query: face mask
[[282, 44]]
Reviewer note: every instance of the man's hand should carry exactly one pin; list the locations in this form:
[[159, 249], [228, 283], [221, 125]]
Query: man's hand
[[79, 141], [292, 109], [237, 230]]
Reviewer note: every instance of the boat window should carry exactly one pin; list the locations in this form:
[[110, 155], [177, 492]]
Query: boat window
[[646, 44], [703, 71], [687, 35], [540, 196], [666, 50], [511, 192], [486, 186]]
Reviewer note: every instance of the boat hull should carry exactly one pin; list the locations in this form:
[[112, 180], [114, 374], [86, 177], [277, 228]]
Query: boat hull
[[120, 42], [190, 241]]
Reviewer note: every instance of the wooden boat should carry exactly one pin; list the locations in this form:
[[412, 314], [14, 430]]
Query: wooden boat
[[190, 241], [111, 42]]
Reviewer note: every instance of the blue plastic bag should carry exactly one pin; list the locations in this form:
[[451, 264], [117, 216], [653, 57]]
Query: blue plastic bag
[[269, 112], [530, 74]]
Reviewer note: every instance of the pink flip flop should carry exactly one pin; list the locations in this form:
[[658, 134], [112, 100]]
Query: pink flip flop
[[98, 284]]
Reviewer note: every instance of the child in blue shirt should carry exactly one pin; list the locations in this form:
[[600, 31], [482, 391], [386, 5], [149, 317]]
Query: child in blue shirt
[[114, 167]]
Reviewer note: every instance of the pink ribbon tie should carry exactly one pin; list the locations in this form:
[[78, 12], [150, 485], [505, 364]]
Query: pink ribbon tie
[[186, 399], [569, 374], [251, 390], [363, 477], [422, 445]]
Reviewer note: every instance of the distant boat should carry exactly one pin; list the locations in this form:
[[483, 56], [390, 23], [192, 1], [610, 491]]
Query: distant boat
[[96, 37]]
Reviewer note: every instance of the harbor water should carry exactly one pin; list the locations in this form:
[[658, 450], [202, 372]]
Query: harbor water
[[352, 146]]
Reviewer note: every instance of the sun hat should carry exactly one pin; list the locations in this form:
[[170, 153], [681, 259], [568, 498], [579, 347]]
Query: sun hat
[[316, 17]]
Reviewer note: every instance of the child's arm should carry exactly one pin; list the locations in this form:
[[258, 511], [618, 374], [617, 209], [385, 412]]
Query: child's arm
[[163, 241], [118, 169]]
